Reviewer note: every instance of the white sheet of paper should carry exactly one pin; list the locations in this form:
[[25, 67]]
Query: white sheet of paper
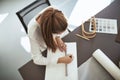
[[57, 71]]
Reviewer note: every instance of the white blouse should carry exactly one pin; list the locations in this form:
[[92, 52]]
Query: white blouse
[[38, 45]]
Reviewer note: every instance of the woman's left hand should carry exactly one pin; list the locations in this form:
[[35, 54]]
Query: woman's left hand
[[61, 45]]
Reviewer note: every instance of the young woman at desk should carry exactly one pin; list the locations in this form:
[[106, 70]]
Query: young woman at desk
[[43, 31]]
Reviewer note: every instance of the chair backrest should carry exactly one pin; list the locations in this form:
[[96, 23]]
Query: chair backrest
[[27, 13]]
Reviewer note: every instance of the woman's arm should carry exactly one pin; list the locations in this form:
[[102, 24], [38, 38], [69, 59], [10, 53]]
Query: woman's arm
[[37, 56], [61, 45], [39, 59]]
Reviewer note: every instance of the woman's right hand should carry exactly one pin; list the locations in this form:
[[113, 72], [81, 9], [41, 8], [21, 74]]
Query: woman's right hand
[[66, 59]]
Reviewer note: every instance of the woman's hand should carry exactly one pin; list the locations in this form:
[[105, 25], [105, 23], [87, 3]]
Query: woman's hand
[[61, 45], [66, 59]]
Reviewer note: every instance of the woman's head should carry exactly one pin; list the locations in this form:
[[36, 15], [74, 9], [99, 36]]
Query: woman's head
[[52, 21]]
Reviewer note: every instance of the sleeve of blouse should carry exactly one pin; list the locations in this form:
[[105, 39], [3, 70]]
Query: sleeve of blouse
[[37, 56], [64, 34]]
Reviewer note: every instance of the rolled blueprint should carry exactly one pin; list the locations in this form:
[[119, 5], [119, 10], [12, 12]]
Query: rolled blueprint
[[107, 64]]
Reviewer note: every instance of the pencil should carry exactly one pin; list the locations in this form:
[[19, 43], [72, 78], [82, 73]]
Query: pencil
[[82, 36]]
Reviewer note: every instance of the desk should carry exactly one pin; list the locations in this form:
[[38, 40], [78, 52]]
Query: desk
[[106, 42]]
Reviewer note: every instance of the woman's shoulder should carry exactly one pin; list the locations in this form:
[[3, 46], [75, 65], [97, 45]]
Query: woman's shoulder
[[32, 26], [32, 23]]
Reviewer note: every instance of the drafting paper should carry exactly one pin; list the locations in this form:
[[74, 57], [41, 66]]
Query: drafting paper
[[57, 71]]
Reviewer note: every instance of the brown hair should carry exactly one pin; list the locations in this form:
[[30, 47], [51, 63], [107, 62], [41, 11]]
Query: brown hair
[[52, 21]]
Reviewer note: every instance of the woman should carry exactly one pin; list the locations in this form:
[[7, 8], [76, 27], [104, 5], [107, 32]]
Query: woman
[[43, 32]]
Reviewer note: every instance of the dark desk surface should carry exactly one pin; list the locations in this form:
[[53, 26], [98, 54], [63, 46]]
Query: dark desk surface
[[105, 42]]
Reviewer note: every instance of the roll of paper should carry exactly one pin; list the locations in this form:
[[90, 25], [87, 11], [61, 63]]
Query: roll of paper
[[107, 64]]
